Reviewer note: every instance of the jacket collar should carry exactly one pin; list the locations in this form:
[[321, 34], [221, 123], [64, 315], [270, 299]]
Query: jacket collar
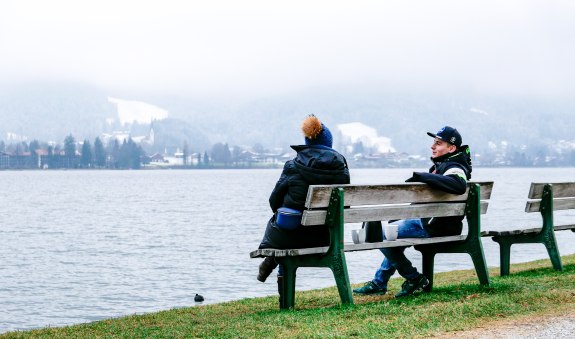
[[299, 148]]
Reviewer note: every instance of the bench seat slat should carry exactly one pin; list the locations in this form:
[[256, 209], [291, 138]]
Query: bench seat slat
[[529, 230], [348, 247], [373, 213], [560, 190], [558, 204], [351, 247], [355, 195]]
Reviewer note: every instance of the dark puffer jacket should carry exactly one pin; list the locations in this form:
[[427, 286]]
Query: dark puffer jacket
[[313, 165], [449, 173]]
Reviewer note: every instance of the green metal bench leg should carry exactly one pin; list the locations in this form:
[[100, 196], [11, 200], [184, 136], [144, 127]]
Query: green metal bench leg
[[504, 257], [480, 264], [551, 246], [339, 269], [473, 248], [428, 259], [288, 288]]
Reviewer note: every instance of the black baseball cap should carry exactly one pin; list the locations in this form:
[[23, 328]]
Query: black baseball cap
[[448, 134]]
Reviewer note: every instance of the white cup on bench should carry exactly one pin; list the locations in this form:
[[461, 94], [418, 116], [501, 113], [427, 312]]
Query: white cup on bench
[[390, 231], [358, 236]]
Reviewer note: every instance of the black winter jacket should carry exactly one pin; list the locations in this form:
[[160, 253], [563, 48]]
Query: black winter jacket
[[313, 165], [449, 173]]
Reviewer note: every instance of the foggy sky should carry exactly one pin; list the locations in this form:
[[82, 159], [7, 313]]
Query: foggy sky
[[247, 47]]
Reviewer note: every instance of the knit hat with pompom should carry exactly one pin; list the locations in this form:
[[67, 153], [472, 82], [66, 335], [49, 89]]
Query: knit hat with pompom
[[315, 132]]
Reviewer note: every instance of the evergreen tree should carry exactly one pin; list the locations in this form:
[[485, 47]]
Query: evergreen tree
[[70, 149], [25, 147], [51, 158], [206, 159], [130, 155], [221, 153], [99, 153], [86, 159], [114, 152], [19, 149], [136, 153], [123, 159]]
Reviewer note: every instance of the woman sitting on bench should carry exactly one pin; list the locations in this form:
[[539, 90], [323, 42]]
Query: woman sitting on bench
[[316, 163]]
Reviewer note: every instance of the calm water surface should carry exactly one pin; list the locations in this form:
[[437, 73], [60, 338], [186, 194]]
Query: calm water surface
[[79, 246]]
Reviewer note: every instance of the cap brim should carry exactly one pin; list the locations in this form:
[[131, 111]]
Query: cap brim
[[431, 135]]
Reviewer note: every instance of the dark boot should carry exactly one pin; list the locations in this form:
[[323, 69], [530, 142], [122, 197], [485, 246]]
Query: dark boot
[[266, 268], [280, 288]]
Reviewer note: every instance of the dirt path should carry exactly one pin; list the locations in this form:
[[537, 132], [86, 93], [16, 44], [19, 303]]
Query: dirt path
[[558, 325]]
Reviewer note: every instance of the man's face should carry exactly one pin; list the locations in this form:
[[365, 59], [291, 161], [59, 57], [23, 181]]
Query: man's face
[[440, 147]]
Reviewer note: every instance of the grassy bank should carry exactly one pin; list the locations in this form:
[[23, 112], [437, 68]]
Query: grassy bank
[[456, 303]]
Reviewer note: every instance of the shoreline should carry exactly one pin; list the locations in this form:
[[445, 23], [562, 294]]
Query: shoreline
[[513, 306]]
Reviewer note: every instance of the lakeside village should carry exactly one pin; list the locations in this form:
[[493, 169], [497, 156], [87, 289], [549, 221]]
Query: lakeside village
[[357, 142]]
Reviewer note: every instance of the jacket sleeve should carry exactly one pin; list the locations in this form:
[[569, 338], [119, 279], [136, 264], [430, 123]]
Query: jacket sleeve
[[450, 183], [279, 191]]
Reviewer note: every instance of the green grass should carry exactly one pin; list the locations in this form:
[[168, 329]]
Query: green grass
[[456, 303]]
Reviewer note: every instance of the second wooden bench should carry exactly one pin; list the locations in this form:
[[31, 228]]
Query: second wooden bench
[[545, 198]]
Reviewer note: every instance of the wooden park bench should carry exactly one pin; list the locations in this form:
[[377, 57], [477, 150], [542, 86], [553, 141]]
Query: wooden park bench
[[325, 205], [547, 198]]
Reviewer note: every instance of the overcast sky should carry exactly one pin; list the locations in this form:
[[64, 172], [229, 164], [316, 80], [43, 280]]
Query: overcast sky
[[273, 46]]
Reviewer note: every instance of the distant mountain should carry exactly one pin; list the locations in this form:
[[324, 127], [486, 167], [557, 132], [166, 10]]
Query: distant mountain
[[52, 111], [405, 117]]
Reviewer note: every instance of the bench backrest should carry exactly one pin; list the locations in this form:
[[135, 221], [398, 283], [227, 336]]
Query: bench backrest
[[563, 194], [389, 202]]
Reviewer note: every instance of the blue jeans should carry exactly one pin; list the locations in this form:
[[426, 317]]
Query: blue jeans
[[395, 259]]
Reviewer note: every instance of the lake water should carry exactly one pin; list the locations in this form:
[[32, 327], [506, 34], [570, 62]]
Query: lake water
[[79, 246]]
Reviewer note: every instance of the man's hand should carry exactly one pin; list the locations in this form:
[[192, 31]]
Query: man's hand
[[416, 177]]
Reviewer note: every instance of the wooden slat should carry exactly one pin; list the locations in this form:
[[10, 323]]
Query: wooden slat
[[271, 252], [560, 190], [558, 205], [529, 230], [350, 247], [394, 212], [564, 227], [486, 187], [356, 195]]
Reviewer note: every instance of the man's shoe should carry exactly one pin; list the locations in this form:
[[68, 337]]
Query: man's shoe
[[412, 286], [266, 268], [370, 288]]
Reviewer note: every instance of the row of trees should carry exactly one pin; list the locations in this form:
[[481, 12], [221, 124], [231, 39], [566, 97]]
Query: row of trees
[[115, 155], [75, 155]]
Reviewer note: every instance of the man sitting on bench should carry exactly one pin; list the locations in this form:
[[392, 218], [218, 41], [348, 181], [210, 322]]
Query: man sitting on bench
[[450, 171]]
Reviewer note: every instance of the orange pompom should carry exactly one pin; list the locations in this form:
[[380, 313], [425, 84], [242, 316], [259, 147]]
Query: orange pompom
[[311, 127]]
